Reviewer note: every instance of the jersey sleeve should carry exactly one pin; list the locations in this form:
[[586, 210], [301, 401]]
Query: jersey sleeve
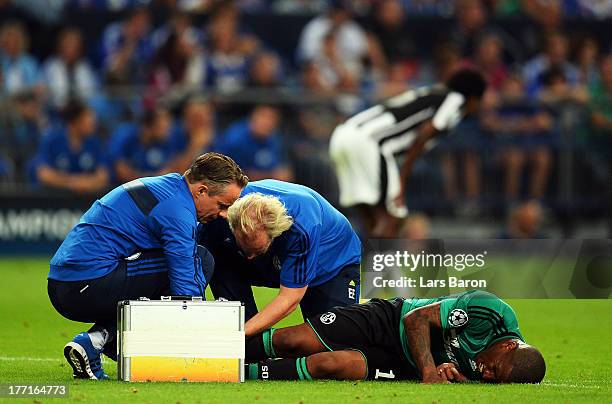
[[482, 317], [177, 234], [299, 266], [449, 113]]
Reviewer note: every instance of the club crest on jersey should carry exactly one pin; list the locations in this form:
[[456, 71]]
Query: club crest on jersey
[[328, 318], [457, 318]]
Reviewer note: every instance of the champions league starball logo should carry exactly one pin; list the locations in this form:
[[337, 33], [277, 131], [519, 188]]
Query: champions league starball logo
[[328, 318], [457, 318]]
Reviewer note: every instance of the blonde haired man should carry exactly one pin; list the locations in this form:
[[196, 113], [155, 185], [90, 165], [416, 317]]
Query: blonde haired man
[[284, 236]]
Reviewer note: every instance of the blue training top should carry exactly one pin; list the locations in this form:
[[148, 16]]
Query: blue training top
[[321, 240], [147, 213]]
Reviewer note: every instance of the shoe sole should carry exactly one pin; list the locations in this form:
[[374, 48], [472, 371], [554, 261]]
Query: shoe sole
[[77, 358]]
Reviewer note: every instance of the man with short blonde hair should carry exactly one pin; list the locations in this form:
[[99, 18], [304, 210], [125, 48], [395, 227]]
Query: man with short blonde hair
[[284, 236], [256, 211]]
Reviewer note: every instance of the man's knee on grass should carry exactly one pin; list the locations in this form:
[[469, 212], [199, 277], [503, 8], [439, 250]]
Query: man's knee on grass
[[290, 342], [338, 365], [296, 341]]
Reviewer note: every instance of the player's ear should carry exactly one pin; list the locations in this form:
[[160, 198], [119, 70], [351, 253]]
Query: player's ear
[[202, 189], [510, 344]]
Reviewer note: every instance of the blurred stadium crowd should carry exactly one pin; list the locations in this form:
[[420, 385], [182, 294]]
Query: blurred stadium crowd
[[98, 92]]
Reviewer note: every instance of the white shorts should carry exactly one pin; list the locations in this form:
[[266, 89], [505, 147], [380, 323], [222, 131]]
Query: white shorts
[[357, 161]]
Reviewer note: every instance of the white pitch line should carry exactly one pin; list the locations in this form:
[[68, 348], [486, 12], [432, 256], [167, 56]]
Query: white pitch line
[[579, 386], [29, 359]]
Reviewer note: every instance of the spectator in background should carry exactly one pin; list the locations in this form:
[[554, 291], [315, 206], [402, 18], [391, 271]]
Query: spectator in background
[[18, 70], [524, 222], [143, 150], [21, 123], [265, 71], [488, 58], [587, 57], [257, 146], [336, 39], [334, 72], [71, 157], [178, 68], [127, 48], [555, 88], [472, 22], [194, 135], [523, 132], [179, 22], [548, 14], [229, 50], [389, 26], [553, 56], [68, 75]]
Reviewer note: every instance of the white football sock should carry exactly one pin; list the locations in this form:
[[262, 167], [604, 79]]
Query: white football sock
[[98, 338]]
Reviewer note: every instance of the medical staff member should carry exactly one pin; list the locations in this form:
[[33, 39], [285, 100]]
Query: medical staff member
[[139, 240]]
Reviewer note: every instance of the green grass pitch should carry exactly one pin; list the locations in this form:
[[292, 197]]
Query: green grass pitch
[[574, 336]]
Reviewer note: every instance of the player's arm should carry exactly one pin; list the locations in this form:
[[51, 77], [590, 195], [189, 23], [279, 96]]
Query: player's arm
[[177, 235], [417, 325], [280, 307], [425, 132], [447, 116], [297, 271]]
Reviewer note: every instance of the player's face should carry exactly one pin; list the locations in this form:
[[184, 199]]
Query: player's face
[[495, 363], [253, 244], [211, 207]]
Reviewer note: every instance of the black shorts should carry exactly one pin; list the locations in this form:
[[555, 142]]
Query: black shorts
[[372, 329]]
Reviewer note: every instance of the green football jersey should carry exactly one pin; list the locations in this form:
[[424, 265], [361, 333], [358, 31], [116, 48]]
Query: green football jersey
[[471, 322]]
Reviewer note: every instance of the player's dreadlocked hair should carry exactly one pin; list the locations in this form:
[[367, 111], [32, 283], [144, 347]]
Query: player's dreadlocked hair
[[467, 82], [528, 366], [257, 211], [216, 171]]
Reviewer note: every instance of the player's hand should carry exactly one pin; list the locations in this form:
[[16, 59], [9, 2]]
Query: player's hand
[[400, 200], [450, 373], [434, 377]]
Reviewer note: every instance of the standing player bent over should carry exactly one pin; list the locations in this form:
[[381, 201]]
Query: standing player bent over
[[365, 148], [469, 336]]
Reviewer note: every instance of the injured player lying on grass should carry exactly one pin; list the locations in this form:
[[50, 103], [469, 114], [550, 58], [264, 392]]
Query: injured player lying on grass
[[472, 336]]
